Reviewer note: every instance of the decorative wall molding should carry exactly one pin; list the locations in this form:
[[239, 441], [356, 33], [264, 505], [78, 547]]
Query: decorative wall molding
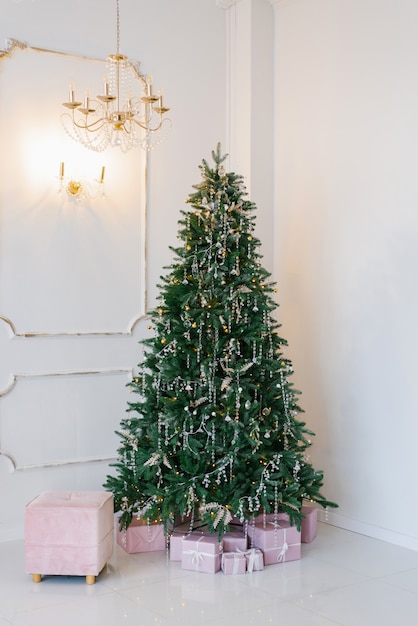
[[28, 432], [9, 324], [45, 289], [37, 466], [226, 4], [278, 4], [14, 44], [250, 79], [76, 333], [15, 377]]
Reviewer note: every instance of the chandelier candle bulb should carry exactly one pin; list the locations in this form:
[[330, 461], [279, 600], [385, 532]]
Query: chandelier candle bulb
[[102, 175], [61, 170], [106, 86], [160, 108], [71, 92]]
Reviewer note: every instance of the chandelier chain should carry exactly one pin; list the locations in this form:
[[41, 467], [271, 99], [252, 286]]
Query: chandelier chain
[[117, 28]]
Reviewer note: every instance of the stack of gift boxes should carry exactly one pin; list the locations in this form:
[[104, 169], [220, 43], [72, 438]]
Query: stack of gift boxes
[[267, 539]]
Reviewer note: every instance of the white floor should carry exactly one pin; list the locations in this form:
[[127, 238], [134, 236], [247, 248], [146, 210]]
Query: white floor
[[343, 579]]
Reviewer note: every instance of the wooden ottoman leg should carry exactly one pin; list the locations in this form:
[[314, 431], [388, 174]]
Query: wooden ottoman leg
[[36, 578], [90, 580]]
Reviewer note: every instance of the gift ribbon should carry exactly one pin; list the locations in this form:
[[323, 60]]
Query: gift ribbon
[[252, 554], [277, 524], [281, 557], [251, 561], [197, 556], [285, 547], [236, 561], [282, 554]]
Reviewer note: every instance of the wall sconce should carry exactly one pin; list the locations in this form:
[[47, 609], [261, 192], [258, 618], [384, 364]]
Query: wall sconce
[[78, 189]]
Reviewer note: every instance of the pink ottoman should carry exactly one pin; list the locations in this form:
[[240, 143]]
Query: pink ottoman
[[68, 533]]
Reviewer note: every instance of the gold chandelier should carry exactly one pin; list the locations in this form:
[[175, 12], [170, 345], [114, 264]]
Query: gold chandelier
[[126, 115]]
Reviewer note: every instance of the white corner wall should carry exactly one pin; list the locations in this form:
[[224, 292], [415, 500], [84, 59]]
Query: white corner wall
[[346, 247], [343, 246], [249, 113]]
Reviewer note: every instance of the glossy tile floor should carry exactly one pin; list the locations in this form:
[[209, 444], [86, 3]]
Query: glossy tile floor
[[343, 579]]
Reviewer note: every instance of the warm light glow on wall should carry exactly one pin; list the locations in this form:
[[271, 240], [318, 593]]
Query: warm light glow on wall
[[41, 156]]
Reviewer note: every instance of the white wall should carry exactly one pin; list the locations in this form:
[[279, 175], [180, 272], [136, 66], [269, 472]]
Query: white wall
[[344, 253], [65, 392], [250, 102], [347, 254]]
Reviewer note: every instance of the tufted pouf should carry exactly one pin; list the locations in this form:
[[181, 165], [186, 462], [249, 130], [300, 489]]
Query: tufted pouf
[[68, 533]]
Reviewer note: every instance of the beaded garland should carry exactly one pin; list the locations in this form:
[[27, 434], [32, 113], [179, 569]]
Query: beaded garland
[[214, 385]]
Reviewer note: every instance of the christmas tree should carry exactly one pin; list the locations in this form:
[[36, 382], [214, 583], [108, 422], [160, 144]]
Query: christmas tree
[[214, 433]]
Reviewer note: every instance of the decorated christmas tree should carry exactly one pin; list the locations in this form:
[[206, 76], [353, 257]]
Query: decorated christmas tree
[[215, 431]]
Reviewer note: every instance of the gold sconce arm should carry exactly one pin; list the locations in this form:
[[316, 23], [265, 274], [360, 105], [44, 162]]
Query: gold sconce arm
[[77, 189]]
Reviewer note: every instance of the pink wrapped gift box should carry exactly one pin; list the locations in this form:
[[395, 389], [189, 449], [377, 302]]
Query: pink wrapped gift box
[[233, 541], [141, 536], [309, 523], [201, 554], [233, 563], [176, 540], [255, 560], [267, 518], [279, 542]]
